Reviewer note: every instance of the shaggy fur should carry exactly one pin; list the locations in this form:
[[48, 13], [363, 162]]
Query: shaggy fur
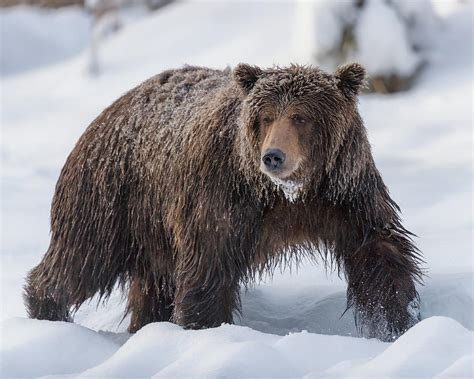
[[163, 195]]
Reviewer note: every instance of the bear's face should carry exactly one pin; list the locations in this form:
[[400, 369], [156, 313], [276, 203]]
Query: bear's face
[[295, 118], [280, 137]]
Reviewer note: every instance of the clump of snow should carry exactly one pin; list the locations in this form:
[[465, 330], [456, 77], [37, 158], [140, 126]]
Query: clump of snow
[[388, 38], [392, 54], [291, 189]]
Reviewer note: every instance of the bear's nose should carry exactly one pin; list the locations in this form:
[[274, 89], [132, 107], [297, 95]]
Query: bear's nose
[[273, 159]]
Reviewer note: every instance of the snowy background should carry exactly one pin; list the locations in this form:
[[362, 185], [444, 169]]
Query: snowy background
[[291, 325]]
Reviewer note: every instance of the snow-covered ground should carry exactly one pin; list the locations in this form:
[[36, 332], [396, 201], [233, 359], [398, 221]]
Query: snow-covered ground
[[27, 44], [291, 325]]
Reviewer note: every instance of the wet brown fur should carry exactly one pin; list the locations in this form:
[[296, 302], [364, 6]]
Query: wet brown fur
[[163, 195]]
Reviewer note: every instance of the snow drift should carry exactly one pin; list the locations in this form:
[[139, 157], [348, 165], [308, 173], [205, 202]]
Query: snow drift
[[166, 350]]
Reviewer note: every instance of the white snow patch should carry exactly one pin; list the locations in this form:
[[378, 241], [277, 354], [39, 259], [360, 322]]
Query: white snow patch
[[421, 20], [409, 29], [291, 189], [423, 351], [32, 348], [391, 54], [435, 345], [319, 28]]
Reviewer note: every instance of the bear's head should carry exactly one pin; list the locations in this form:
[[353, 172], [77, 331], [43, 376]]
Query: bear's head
[[294, 120]]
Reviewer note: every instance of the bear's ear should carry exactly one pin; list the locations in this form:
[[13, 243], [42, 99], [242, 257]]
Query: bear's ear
[[246, 75], [351, 78]]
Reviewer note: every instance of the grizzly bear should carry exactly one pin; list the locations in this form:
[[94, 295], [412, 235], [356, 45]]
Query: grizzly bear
[[199, 181]]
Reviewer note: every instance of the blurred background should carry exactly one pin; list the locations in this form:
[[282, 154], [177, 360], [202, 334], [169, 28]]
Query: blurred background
[[63, 61], [392, 38]]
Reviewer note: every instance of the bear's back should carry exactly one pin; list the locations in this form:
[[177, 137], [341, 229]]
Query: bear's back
[[151, 120], [167, 100]]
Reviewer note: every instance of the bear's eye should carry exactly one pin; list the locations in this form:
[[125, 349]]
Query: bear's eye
[[266, 120], [298, 119]]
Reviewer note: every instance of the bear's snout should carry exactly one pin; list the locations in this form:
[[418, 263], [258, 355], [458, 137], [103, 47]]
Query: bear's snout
[[273, 159]]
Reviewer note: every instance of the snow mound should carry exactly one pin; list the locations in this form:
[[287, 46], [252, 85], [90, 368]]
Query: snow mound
[[32, 348], [428, 348], [389, 55], [437, 345]]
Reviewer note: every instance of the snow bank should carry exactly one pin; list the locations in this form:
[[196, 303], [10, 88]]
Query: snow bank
[[428, 348], [166, 350], [436, 345], [34, 348]]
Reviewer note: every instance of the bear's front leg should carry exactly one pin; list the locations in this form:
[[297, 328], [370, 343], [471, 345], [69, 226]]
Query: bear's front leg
[[207, 292], [381, 275]]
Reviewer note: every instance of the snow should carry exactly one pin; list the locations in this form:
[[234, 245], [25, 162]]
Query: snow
[[421, 20], [290, 188], [37, 347], [291, 325], [423, 351], [27, 44], [391, 54], [389, 37], [166, 350], [318, 29]]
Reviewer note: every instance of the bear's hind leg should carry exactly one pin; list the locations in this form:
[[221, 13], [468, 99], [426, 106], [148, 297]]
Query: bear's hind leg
[[149, 301], [64, 280], [43, 302]]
